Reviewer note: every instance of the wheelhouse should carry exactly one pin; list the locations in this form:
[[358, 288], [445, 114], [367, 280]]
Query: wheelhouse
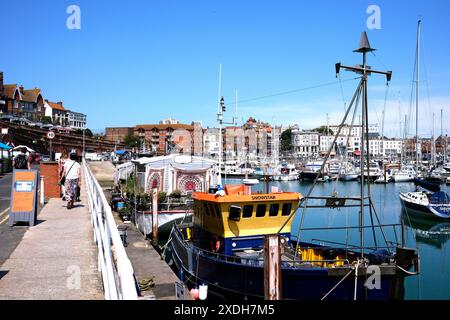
[[238, 221]]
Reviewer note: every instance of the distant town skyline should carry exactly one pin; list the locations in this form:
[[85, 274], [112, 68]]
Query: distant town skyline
[[141, 63]]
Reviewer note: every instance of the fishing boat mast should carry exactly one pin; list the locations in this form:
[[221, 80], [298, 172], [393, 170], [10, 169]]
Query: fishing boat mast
[[365, 71]]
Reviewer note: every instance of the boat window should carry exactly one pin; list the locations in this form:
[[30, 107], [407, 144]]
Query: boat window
[[234, 213], [286, 209], [260, 210], [274, 208], [248, 211]]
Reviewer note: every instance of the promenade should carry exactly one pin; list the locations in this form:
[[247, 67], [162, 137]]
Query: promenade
[[56, 259]]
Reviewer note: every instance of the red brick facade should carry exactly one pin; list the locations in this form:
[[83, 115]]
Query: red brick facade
[[50, 172]]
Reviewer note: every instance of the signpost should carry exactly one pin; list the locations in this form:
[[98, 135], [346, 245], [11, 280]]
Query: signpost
[[24, 197], [51, 136]]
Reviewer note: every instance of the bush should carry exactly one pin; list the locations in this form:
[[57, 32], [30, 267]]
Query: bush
[[176, 194], [162, 197]]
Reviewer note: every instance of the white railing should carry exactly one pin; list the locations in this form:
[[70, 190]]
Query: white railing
[[113, 263]]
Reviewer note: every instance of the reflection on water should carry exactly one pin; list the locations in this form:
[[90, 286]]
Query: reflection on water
[[429, 236], [432, 232]]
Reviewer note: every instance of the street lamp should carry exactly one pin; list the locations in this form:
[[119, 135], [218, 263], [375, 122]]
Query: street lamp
[[84, 132]]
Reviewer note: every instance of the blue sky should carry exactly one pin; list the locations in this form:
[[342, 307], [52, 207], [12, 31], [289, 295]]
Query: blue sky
[[135, 62]]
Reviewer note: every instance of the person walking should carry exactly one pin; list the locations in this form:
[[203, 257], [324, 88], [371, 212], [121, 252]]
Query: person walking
[[72, 174], [64, 157], [21, 161]]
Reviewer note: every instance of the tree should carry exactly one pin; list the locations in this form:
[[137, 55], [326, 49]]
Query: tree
[[88, 132], [286, 142], [131, 141], [324, 130], [46, 119]]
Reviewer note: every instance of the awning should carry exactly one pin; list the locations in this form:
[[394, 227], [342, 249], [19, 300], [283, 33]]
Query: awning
[[22, 146], [121, 152], [4, 146], [357, 153]]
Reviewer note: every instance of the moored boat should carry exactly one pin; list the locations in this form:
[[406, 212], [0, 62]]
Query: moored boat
[[223, 247], [431, 205]]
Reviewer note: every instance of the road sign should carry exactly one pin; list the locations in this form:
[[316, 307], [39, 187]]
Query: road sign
[[24, 197], [50, 135]]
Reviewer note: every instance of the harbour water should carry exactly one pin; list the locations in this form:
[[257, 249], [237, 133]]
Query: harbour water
[[430, 237]]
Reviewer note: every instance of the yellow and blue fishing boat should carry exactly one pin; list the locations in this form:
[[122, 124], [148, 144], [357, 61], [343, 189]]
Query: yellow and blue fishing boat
[[223, 247]]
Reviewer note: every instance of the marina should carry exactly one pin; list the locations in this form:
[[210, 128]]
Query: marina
[[303, 159]]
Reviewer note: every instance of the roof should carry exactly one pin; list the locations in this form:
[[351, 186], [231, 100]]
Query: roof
[[31, 95], [163, 126], [10, 89], [237, 197], [56, 106], [178, 161]]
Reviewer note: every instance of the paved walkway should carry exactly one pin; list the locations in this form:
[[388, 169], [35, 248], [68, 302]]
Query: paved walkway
[[56, 259], [146, 261]]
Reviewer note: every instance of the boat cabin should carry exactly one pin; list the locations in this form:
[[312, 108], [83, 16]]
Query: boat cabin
[[239, 219]]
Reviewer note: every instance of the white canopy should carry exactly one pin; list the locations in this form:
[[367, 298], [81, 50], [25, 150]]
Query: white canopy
[[22, 146]]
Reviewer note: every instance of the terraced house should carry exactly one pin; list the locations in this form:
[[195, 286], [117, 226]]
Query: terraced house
[[20, 102]]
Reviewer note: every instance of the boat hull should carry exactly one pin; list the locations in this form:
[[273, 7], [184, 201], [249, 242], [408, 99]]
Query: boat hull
[[166, 220], [309, 176], [426, 211], [349, 177], [228, 279]]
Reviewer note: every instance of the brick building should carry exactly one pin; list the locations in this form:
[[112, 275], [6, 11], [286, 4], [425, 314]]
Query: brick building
[[166, 138], [118, 134], [20, 102]]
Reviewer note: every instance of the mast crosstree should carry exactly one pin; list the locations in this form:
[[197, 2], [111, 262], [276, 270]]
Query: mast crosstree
[[364, 70]]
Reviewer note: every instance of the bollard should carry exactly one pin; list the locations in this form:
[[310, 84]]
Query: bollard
[[42, 190], [155, 215], [272, 267]]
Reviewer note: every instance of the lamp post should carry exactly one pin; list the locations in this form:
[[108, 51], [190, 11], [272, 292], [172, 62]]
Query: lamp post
[[84, 132]]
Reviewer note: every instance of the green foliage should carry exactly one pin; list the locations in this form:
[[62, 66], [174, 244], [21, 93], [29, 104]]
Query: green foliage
[[46, 119], [175, 194], [131, 141], [324, 130], [286, 142], [162, 196], [88, 132]]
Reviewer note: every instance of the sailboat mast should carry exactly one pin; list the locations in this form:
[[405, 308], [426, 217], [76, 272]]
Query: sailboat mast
[[219, 121], [442, 137], [433, 146], [417, 96]]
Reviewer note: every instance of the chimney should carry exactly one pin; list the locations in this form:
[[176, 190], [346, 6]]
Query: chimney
[[60, 103], [21, 89], [1, 82]]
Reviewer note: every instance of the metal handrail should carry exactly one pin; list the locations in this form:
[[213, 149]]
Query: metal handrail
[[113, 263]]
